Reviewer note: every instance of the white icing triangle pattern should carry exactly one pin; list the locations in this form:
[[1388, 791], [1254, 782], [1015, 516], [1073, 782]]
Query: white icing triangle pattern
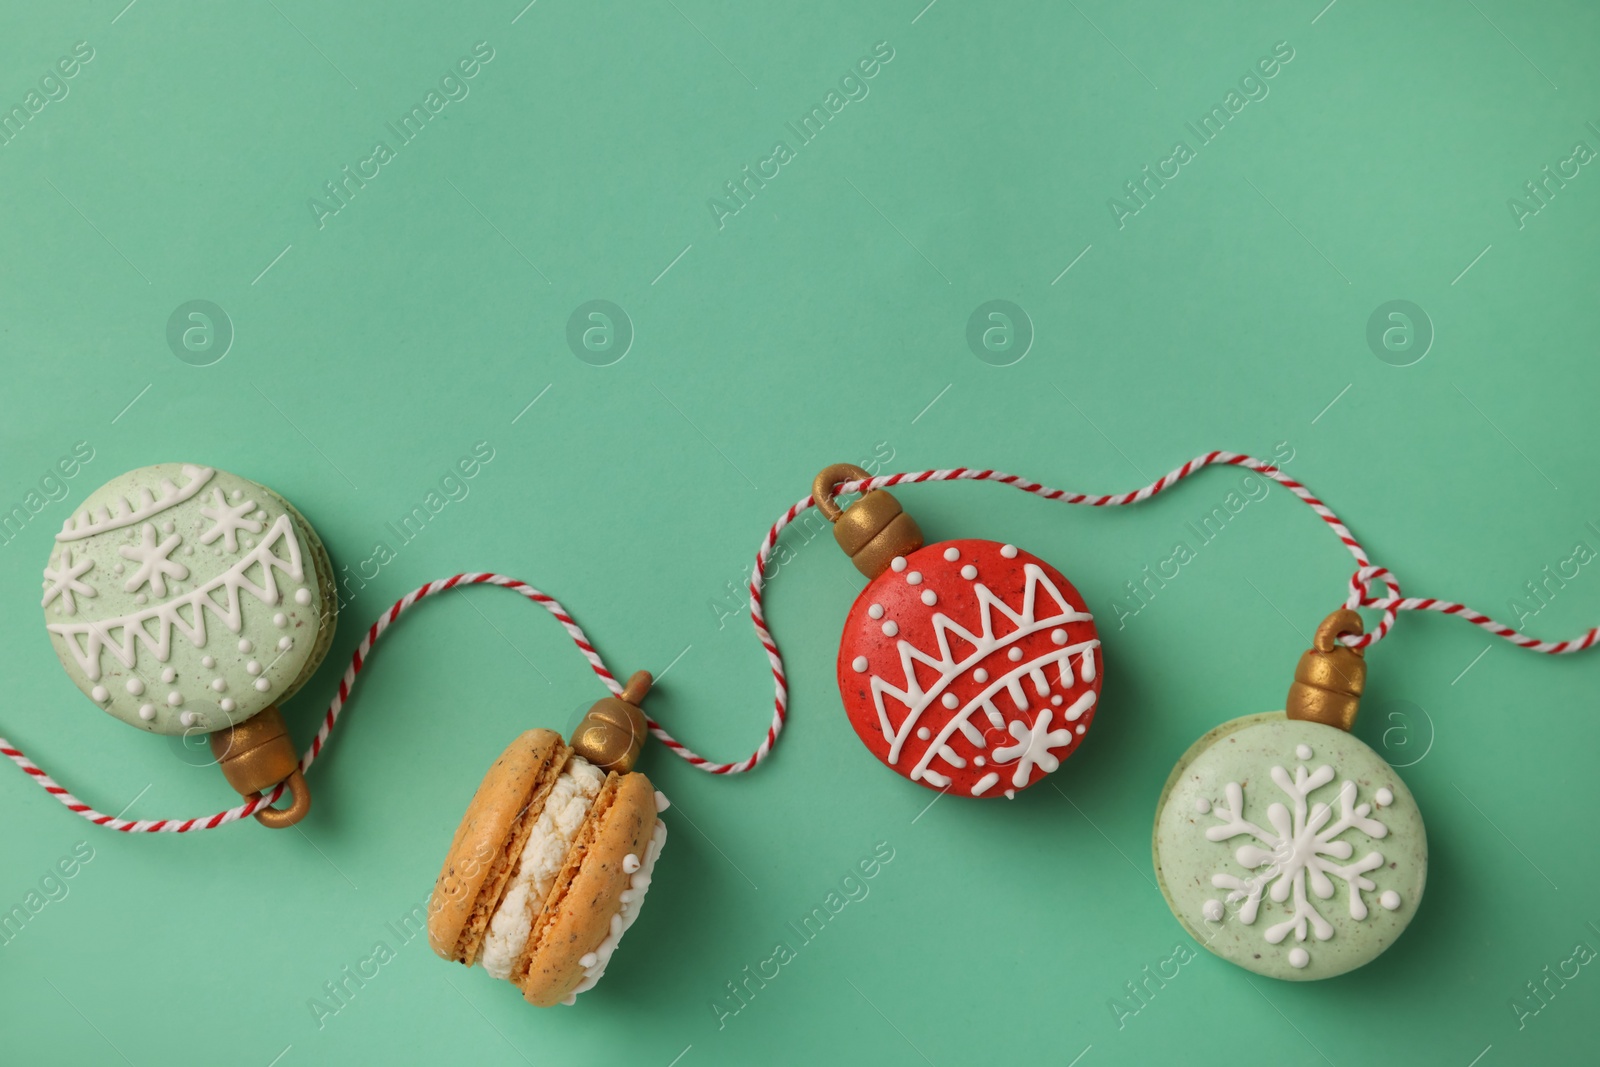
[[1043, 607], [88, 640]]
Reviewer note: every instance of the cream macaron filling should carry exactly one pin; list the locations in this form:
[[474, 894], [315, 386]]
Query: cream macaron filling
[[545, 853]]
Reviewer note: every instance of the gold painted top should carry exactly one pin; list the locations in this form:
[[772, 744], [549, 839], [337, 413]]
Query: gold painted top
[[614, 730], [256, 755], [873, 530], [1330, 677]]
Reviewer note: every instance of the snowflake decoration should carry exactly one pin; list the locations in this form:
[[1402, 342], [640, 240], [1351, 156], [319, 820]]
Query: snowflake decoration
[[1298, 852], [64, 583], [1033, 747], [229, 519], [154, 566]]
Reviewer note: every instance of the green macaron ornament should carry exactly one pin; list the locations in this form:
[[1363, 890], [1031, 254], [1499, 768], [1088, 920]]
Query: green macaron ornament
[[1285, 844], [183, 599]]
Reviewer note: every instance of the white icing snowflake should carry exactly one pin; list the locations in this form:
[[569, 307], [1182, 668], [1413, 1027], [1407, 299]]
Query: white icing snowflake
[[1033, 747], [154, 566], [229, 519], [1299, 852], [64, 583]]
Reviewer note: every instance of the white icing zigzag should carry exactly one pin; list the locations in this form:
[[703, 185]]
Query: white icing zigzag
[[915, 699], [122, 513], [88, 640]]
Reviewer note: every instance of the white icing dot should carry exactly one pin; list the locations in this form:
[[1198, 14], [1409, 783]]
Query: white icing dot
[[980, 675], [169, 676], [116, 568], [1080, 728], [890, 629], [174, 698], [630, 863], [140, 598], [1014, 655], [280, 620], [1202, 805], [249, 542], [1302, 752], [188, 718], [929, 597], [1008, 551], [219, 685], [923, 733], [245, 645], [914, 578], [167, 527], [147, 712], [135, 686], [589, 959], [252, 668], [208, 662], [1299, 957], [1212, 910], [100, 694], [897, 564], [262, 685], [236, 494], [950, 700], [662, 803], [1058, 636], [859, 664], [227, 704], [1056, 700], [302, 597], [259, 515], [875, 611], [969, 572], [978, 761], [1385, 797], [1390, 900], [188, 550], [285, 644]]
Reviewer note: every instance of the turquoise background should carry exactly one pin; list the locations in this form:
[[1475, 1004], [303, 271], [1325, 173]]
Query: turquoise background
[[825, 321]]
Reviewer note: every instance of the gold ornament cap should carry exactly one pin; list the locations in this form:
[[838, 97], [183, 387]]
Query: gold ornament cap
[[256, 755], [612, 733], [873, 530], [1330, 677]]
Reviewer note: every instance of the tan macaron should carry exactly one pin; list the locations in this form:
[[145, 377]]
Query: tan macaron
[[591, 900]]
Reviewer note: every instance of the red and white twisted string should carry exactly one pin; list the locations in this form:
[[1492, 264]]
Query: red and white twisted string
[[1360, 596]]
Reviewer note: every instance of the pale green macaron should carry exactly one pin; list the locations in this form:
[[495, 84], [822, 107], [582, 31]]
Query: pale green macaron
[[184, 599], [1289, 847]]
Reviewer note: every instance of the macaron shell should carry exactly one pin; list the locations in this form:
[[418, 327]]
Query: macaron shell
[[577, 916], [327, 595], [490, 836], [181, 598], [1245, 752]]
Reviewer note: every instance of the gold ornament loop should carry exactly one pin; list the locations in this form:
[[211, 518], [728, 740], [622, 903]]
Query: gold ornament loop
[[279, 818], [1342, 623], [829, 479]]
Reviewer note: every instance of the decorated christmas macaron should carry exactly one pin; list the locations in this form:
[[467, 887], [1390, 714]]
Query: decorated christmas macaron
[[969, 666], [552, 861], [1282, 842], [185, 599]]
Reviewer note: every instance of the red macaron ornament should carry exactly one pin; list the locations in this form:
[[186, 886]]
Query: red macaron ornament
[[969, 667]]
